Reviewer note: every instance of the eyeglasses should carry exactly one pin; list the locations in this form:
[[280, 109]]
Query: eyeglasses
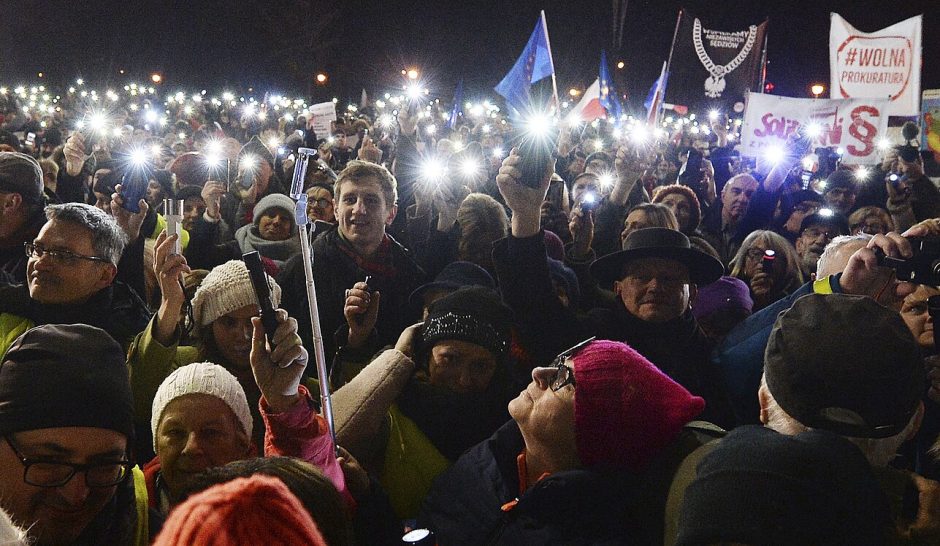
[[322, 202], [42, 473], [564, 375], [757, 254], [35, 250]]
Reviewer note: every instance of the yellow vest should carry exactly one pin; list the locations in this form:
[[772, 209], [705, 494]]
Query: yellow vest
[[411, 464]]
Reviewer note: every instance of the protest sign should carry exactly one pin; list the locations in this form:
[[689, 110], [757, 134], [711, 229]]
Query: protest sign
[[882, 64], [854, 125], [710, 68], [930, 120], [320, 117]]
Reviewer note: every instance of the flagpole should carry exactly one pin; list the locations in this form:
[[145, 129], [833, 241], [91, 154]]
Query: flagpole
[[763, 62], [675, 34], [554, 81]]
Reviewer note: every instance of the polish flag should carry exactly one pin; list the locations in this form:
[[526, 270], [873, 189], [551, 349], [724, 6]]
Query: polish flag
[[589, 108]]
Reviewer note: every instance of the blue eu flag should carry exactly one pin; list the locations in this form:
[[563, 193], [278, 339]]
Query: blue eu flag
[[534, 64]]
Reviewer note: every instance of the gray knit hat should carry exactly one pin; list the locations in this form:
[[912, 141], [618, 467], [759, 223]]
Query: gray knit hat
[[275, 200], [201, 378], [225, 289], [20, 173]]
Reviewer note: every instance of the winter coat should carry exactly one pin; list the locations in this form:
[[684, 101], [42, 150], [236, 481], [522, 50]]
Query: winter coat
[[335, 271], [478, 502]]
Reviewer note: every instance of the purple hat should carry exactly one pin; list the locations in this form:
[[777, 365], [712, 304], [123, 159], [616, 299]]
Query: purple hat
[[725, 293]]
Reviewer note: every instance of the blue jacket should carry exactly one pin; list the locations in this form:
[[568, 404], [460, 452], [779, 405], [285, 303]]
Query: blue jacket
[[740, 357]]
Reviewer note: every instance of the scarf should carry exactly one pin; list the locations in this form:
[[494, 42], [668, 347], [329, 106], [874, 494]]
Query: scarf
[[277, 251]]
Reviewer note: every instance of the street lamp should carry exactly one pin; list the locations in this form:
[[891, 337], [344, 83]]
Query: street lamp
[[412, 73], [321, 78], [620, 65], [574, 92], [817, 89], [156, 78]]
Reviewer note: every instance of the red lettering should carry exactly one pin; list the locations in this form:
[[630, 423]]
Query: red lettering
[[862, 130]]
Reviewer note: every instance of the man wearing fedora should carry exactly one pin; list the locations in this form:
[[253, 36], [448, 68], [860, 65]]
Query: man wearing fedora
[[655, 278]]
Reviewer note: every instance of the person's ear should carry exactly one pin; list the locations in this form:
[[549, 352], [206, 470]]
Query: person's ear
[[693, 293], [391, 215], [764, 398]]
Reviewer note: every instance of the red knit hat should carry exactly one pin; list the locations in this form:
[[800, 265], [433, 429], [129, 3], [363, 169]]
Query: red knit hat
[[255, 510], [625, 409]]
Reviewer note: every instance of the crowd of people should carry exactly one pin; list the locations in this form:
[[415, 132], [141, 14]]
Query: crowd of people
[[643, 339]]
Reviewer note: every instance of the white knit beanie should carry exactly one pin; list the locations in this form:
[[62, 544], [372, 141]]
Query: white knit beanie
[[201, 378], [225, 289], [275, 200]]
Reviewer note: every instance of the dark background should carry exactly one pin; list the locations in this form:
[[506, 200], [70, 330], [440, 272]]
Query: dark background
[[278, 45]]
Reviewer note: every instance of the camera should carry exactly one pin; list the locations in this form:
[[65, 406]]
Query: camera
[[589, 202], [921, 268]]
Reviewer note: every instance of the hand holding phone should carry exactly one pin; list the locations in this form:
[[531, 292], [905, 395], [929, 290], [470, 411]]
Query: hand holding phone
[[259, 281]]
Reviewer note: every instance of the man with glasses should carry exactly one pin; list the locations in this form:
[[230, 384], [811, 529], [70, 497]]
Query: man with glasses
[[21, 204], [816, 231], [66, 418], [70, 271]]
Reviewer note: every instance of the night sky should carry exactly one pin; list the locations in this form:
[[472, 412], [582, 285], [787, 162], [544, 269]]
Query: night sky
[[271, 45]]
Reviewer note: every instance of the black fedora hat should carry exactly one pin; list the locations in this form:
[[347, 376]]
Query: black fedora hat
[[656, 242]]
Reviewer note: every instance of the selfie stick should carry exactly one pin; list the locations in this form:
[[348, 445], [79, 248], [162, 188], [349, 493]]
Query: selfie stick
[[300, 214]]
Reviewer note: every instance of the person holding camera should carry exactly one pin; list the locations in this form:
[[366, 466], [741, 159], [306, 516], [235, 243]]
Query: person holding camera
[[255, 180]]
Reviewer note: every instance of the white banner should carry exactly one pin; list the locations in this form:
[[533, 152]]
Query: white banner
[[854, 125], [320, 117], [882, 64]]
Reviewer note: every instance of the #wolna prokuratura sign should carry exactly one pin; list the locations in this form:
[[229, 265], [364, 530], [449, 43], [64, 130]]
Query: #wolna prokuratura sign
[[883, 64], [854, 125], [714, 67]]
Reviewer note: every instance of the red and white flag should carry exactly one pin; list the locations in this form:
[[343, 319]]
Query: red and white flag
[[589, 108]]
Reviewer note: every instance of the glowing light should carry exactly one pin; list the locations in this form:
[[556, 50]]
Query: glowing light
[[98, 122], [713, 115], [431, 129], [156, 78], [884, 144], [497, 153], [414, 92], [139, 157], [80, 81], [181, 135], [639, 134], [117, 132], [817, 89], [386, 120], [598, 144], [249, 162], [273, 143], [433, 169], [814, 130], [606, 180], [412, 74], [840, 151], [321, 78], [620, 65], [574, 92], [249, 110], [156, 150], [826, 212], [469, 167], [808, 163], [862, 173], [774, 154]]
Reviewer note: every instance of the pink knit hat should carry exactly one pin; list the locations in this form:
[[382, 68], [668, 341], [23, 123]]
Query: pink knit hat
[[625, 409], [255, 510]]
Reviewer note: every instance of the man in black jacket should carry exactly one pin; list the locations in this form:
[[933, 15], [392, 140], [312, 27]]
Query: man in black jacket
[[655, 278], [366, 204]]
